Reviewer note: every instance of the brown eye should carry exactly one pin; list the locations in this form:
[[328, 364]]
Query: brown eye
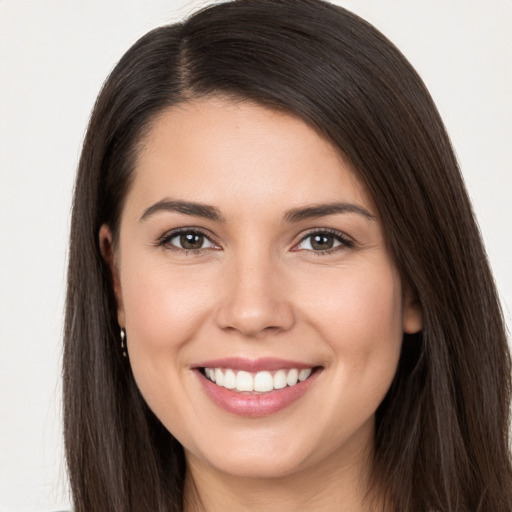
[[187, 241], [191, 241], [324, 241]]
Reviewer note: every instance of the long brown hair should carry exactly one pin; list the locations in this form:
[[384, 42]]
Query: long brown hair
[[442, 432]]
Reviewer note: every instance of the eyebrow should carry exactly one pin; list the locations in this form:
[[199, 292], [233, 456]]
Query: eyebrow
[[188, 208], [322, 210], [295, 215]]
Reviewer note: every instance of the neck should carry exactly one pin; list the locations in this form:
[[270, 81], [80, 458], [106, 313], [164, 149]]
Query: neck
[[329, 486]]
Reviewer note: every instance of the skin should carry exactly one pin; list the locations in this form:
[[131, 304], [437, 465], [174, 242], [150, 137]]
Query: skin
[[258, 289]]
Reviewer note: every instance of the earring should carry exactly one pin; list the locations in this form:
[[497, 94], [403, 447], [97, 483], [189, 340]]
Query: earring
[[123, 343]]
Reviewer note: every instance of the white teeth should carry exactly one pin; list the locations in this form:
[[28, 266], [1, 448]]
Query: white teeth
[[219, 376], [280, 379], [229, 379], [304, 374], [293, 376], [244, 381], [261, 382]]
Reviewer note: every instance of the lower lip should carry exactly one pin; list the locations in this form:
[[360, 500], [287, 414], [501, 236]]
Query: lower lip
[[255, 404]]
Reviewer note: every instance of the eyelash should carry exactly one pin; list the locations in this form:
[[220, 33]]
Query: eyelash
[[164, 240], [344, 241]]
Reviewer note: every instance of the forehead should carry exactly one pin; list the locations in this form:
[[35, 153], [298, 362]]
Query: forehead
[[228, 152]]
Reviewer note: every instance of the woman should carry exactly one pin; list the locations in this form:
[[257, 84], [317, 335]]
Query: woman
[[287, 305]]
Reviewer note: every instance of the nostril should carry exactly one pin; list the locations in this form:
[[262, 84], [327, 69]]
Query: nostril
[[254, 317]]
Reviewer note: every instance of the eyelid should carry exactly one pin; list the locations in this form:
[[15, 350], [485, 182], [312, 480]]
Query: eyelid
[[163, 241], [346, 242]]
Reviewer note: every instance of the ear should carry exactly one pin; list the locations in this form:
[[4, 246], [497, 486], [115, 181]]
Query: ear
[[109, 254], [413, 313]]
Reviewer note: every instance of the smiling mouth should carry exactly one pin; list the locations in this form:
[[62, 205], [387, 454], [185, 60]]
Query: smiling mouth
[[241, 381], [255, 387]]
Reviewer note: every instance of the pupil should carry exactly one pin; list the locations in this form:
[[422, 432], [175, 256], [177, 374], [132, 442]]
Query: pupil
[[191, 241], [322, 242]]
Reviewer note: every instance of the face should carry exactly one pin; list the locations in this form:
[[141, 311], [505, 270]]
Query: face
[[250, 254]]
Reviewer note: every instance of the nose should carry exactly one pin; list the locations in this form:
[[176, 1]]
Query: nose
[[256, 299]]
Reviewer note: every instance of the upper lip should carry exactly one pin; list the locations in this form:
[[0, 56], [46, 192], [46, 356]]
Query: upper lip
[[253, 365]]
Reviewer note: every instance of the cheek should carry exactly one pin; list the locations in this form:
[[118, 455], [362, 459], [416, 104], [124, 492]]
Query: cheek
[[163, 308], [360, 317], [164, 311], [360, 320]]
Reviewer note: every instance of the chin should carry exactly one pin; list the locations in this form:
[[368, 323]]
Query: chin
[[256, 466], [261, 455]]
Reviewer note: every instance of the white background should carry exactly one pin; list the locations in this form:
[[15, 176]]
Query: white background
[[54, 55]]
